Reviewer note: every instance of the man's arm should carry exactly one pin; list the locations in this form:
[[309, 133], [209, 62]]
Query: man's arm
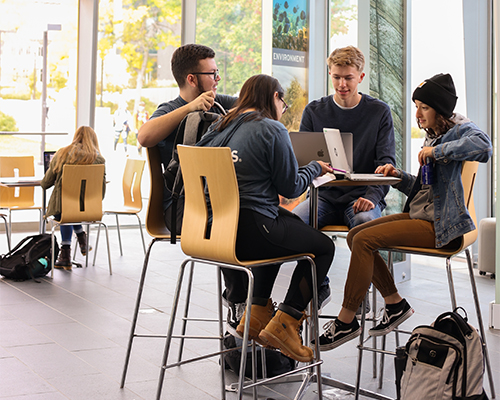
[[157, 129]]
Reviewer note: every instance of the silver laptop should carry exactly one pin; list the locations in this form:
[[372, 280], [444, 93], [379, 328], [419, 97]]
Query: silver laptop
[[311, 146], [341, 162]]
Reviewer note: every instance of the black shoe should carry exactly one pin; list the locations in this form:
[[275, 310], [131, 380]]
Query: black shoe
[[367, 309], [324, 295], [235, 312], [338, 333], [392, 318]]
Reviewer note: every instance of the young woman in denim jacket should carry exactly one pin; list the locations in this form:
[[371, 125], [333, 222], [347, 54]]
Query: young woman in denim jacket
[[434, 216]]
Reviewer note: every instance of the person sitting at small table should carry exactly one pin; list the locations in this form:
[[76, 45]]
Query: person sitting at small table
[[266, 167], [434, 215], [83, 150]]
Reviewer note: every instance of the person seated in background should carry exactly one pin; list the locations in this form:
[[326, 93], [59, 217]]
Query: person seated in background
[[83, 150], [370, 122], [266, 167], [434, 215]]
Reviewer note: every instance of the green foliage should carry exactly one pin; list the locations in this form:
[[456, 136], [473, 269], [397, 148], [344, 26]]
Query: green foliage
[[17, 96], [340, 15], [58, 79], [417, 133], [233, 28], [148, 25], [7, 123], [296, 98]]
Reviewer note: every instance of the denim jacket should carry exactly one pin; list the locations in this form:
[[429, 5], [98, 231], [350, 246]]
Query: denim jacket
[[463, 142]]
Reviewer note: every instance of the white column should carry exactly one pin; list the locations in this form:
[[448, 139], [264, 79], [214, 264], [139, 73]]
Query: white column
[[188, 22], [88, 17], [495, 306], [318, 48]]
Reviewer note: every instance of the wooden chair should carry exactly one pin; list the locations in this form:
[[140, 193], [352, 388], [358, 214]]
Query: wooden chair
[[215, 167], [7, 232], [469, 171], [81, 201], [155, 226], [19, 198], [132, 204]]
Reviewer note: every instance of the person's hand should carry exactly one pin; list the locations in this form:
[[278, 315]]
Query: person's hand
[[203, 102], [325, 167], [362, 204], [387, 170], [424, 154]]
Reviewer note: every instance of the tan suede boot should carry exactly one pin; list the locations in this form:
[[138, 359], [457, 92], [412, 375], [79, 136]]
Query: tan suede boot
[[259, 318], [283, 333]]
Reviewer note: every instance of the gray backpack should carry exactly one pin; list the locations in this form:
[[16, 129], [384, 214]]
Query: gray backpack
[[444, 361]]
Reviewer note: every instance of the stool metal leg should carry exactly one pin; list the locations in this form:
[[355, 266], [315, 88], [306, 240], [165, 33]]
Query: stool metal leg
[[136, 312], [480, 320], [186, 310]]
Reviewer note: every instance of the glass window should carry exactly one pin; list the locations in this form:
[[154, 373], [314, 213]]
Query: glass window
[[24, 23], [436, 47], [233, 28]]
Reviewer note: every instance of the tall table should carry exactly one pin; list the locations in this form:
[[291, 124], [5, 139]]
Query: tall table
[[313, 220], [26, 181]]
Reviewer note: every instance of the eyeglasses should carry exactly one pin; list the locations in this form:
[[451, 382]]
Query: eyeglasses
[[285, 106], [215, 74]]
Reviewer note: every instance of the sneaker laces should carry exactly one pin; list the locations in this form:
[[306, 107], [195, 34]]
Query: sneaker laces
[[329, 328]]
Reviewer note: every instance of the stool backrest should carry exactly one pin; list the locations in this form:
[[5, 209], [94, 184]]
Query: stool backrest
[[81, 193], [469, 172], [131, 184], [155, 223], [213, 168], [21, 196]]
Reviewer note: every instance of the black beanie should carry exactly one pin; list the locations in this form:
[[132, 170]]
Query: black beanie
[[439, 93]]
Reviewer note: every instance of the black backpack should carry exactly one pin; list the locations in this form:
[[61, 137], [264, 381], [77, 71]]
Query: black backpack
[[276, 362], [30, 259], [190, 131]]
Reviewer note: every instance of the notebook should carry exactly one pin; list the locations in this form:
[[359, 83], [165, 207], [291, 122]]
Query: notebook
[[339, 160]]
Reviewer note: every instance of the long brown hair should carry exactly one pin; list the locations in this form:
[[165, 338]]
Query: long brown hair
[[83, 150], [256, 93]]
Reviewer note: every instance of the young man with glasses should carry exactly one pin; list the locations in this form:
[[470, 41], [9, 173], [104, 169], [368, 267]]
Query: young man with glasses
[[195, 70]]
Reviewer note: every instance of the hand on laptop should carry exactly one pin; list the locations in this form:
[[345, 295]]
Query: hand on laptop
[[325, 167], [387, 170]]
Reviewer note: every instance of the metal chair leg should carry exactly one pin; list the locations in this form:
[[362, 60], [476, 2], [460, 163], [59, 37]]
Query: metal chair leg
[[186, 310], [480, 320], [136, 312], [119, 235]]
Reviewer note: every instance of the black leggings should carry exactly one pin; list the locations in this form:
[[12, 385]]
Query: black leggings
[[260, 237]]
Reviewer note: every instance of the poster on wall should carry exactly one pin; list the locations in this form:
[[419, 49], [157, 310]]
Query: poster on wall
[[290, 55]]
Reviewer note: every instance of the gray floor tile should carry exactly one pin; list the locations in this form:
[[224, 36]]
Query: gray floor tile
[[65, 338]]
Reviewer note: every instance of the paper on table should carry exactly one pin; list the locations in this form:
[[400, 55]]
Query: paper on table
[[321, 180]]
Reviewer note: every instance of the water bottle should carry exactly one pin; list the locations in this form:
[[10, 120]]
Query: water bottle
[[428, 172]]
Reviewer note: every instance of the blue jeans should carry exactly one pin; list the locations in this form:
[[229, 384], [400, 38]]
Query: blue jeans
[[67, 231], [330, 215]]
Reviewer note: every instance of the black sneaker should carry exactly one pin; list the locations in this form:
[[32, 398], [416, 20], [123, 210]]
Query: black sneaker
[[338, 333], [368, 314], [392, 318], [235, 312]]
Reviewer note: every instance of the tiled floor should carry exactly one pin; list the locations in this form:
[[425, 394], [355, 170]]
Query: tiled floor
[[66, 338]]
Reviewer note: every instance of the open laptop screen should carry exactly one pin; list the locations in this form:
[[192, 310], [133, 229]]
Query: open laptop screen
[[47, 158]]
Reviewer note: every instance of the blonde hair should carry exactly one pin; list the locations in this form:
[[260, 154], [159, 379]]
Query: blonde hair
[[83, 150], [347, 56]]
